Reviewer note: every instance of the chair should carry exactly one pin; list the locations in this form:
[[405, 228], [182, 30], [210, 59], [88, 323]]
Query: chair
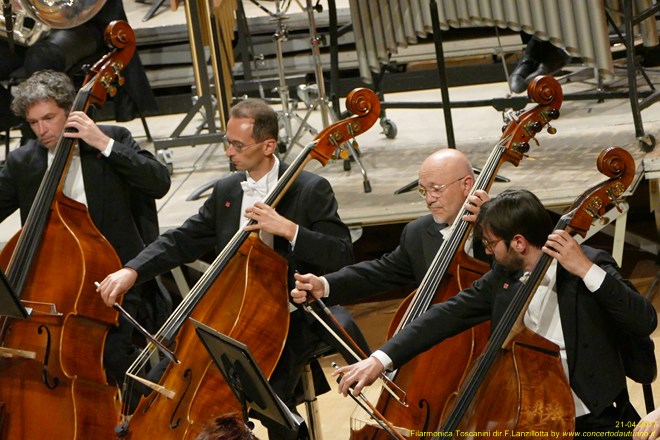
[[309, 395]]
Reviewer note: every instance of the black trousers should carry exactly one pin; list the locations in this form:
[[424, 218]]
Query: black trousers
[[619, 419], [120, 350], [306, 338]]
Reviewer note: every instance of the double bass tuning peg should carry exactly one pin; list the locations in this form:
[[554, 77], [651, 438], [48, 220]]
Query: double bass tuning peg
[[550, 115], [117, 68]]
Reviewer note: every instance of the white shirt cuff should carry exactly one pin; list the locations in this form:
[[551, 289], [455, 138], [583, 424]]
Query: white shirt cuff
[[594, 278], [383, 359], [295, 237], [108, 148], [326, 287]]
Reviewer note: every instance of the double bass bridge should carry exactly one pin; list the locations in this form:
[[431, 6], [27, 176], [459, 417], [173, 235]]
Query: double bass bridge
[[6, 352], [41, 308]]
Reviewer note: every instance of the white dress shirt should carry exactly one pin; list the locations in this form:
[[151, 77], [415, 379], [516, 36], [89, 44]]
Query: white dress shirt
[[74, 186], [542, 316]]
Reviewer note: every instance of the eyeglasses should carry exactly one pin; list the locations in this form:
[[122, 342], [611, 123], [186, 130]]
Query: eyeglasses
[[490, 244], [436, 190], [237, 146]]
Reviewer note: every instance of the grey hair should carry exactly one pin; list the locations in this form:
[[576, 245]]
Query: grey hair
[[40, 87]]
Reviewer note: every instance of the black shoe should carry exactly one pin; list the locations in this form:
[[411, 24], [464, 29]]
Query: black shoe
[[651, 56], [519, 77], [552, 63]]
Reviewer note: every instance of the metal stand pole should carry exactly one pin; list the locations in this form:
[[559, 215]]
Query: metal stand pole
[[327, 112], [285, 115], [205, 101], [442, 74]]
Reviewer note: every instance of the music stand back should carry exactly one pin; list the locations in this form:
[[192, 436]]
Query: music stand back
[[10, 304], [249, 384]]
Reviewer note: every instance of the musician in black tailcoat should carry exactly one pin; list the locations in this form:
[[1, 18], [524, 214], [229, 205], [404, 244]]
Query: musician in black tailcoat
[[445, 180], [304, 228], [583, 305], [109, 173]]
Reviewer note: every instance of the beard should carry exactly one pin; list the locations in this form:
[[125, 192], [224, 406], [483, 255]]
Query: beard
[[513, 260]]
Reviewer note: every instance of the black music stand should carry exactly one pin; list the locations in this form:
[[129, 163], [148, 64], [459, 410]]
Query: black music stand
[[250, 386], [10, 305]]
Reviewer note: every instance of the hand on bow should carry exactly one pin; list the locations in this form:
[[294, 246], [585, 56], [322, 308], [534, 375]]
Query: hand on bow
[[86, 129], [306, 284], [269, 220], [358, 375], [116, 284]]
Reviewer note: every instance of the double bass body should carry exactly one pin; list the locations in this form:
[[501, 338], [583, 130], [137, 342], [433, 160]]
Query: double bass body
[[243, 302], [526, 390], [55, 387], [448, 361]]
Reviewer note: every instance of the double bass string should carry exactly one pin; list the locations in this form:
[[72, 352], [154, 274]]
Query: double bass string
[[500, 335]]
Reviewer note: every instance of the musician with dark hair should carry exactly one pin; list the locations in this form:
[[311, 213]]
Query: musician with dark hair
[[583, 305]]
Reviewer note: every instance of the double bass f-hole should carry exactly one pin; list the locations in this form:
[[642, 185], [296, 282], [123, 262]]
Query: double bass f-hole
[[188, 376], [51, 385]]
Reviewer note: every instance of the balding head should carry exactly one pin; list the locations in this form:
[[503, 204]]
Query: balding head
[[443, 161], [447, 177]]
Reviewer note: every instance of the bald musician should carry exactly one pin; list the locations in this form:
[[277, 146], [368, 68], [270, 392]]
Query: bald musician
[[446, 178]]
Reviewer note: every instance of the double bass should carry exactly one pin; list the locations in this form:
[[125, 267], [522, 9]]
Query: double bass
[[518, 384], [243, 294], [52, 380], [451, 271]]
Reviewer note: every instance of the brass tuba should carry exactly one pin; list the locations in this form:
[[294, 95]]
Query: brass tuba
[[32, 18]]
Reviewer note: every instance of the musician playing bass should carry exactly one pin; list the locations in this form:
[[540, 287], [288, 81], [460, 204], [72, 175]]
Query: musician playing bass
[[305, 229], [583, 305], [445, 180], [110, 173]]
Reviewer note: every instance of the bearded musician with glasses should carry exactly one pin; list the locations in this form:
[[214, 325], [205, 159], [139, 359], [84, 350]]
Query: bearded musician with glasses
[[445, 193], [305, 229], [582, 304]]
